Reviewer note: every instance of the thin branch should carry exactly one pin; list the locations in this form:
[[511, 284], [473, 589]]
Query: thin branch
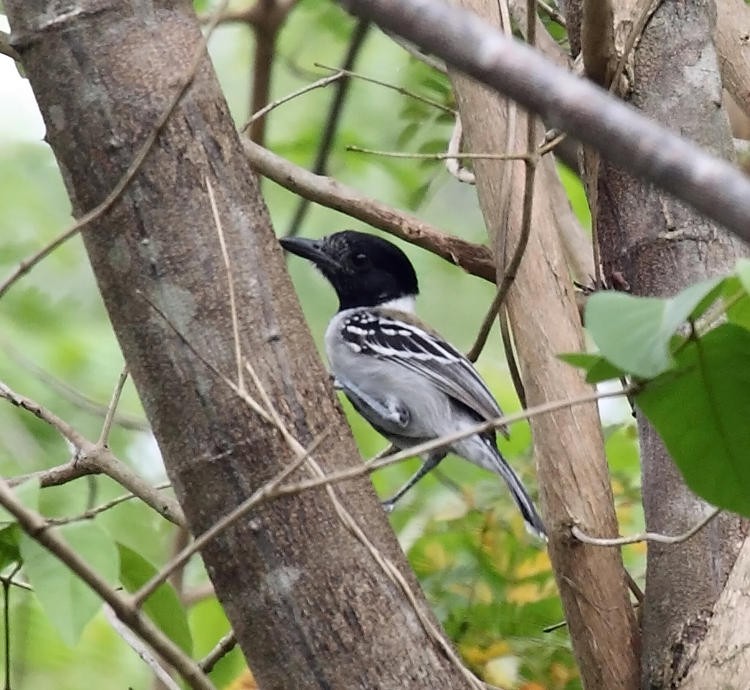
[[581, 536], [90, 458], [628, 139], [122, 184], [230, 285], [393, 87], [36, 527], [70, 434], [112, 408], [531, 159], [140, 648], [473, 258], [225, 645], [7, 49], [552, 12], [98, 510], [341, 91], [319, 84], [380, 461], [270, 15], [7, 582], [441, 155]]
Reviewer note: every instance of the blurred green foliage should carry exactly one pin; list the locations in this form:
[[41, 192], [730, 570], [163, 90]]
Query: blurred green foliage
[[489, 583]]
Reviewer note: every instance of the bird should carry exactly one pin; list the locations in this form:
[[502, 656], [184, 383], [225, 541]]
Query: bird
[[407, 381]]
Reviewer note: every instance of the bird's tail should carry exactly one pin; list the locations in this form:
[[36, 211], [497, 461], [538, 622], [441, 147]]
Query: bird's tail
[[529, 512]]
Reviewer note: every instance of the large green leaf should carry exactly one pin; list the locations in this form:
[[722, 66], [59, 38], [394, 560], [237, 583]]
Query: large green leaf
[[163, 606], [634, 333], [701, 412], [65, 598], [9, 553]]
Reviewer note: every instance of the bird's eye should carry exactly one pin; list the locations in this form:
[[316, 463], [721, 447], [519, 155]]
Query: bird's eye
[[360, 260]]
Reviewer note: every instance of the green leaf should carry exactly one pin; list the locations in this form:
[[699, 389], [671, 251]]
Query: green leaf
[[9, 553], [597, 368], [634, 333], [701, 412], [28, 494], [737, 300], [163, 606], [68, 602]]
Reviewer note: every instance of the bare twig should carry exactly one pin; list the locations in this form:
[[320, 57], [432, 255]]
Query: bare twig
[[65, 430], [230, 285], [140, 648], [225, 645], [441, 155], [380, 461], [393, 87], [36, 527], [341, 90], [531, 159], [269, 16], [112, 408], [98, 510], [7, 49], [90, 458], [319, 84], [29, 262], [581, 536], [473, 258]]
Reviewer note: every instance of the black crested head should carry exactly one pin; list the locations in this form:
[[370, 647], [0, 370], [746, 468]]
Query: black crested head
[[365, 270]]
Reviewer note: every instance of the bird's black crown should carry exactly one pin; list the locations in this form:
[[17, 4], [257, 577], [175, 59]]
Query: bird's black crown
[[365, 270]]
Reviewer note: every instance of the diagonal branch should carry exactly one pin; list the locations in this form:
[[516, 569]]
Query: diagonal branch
[[36, 527], [618, 131], [473, 258]]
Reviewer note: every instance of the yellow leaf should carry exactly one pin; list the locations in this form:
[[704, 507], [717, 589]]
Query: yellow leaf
[[562, 674], [478, 656], [538, 563]]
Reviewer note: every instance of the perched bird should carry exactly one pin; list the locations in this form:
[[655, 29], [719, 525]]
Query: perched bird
[[400, 375]]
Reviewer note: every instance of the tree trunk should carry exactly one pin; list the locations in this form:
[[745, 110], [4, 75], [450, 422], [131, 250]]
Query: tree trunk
[[310, 605], [659, 246], [568, 445]]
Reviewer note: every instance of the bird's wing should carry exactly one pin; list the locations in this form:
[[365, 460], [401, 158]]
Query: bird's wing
[[401, 339]]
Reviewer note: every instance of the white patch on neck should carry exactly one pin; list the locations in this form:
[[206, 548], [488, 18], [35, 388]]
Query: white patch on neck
[[405, 303]]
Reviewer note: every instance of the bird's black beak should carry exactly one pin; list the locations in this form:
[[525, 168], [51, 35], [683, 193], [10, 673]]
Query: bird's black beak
[[312, 250]]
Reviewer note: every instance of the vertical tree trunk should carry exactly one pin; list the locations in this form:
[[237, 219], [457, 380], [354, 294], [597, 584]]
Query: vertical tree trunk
[[310, 605], [568, 445], [660, 246]]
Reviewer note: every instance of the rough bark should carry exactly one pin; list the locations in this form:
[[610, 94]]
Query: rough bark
[[732, 36], [310, 607], [723, 659], [568, 445], [660, 246]]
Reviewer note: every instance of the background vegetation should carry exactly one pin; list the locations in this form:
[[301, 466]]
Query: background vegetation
[[491, 587]]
